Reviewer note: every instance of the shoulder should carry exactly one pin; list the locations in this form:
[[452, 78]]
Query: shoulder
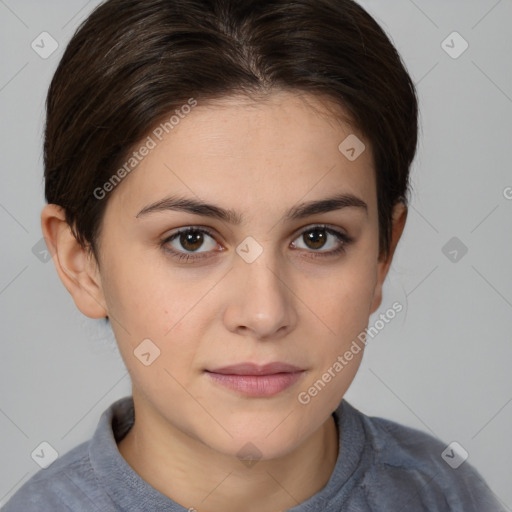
[[402, 446], [58, 487], [79, 480], [405, 459]]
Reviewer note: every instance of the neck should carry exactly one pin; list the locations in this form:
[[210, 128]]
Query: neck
[[198, 477]]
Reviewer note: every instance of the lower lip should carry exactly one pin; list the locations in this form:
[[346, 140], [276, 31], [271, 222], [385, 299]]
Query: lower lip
[[257, 385]]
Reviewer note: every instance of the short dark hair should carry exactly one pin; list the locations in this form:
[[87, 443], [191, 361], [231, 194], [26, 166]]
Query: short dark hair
[[132, 62]]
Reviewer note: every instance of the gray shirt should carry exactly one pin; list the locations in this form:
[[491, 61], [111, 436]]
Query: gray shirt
[[381, 466]]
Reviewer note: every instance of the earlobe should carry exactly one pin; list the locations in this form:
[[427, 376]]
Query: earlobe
[[398, 224], [76, 266]]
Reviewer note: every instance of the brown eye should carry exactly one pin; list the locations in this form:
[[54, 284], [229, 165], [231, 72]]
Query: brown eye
[[315, 239], [322, 241], [192, 240]]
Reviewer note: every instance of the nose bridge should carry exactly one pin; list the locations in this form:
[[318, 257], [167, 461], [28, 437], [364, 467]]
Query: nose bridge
[[261, 304]]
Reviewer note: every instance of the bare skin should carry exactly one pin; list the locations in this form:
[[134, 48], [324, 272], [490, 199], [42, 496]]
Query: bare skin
[[298, 302]]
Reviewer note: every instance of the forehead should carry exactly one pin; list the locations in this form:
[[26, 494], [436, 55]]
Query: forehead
[[279, 148]]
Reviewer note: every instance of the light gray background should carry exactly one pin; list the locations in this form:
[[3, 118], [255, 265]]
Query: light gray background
[[442, 365]]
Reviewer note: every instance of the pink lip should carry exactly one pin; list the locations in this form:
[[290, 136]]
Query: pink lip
[[257, 381], [254, 369]]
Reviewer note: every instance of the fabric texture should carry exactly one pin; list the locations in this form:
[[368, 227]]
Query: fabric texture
[[381, 466]]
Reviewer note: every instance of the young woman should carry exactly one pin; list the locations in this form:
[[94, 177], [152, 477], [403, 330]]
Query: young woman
[[227, 184]]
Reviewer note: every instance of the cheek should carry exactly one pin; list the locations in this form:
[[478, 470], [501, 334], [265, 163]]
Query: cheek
[[345, 297], [343, 302], [142, 305], [151, 298], [344, 308]]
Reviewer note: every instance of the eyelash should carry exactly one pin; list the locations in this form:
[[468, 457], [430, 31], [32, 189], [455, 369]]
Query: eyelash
[[191, 257]]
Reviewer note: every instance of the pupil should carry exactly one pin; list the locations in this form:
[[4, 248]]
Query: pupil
[[315, 239], [191, 241]]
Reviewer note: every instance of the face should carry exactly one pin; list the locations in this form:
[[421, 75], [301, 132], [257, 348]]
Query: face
[[282, 268]]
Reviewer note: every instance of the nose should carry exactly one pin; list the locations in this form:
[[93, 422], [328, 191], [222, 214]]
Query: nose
[[261, 300]]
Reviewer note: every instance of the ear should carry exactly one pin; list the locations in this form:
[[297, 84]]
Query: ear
[[399, 217], [76, 266]]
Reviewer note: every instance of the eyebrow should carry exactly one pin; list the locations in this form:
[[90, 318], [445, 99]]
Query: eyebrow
[[301, 211]]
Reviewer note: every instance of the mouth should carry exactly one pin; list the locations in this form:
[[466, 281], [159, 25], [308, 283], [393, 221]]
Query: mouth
[[253, 380]]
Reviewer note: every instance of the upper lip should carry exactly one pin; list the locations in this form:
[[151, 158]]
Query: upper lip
[[255, 369]]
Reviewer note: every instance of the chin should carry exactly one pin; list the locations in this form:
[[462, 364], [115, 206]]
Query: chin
[[265, 443]]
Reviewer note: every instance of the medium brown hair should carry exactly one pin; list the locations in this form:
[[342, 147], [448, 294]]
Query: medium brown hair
[[134, 62]]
